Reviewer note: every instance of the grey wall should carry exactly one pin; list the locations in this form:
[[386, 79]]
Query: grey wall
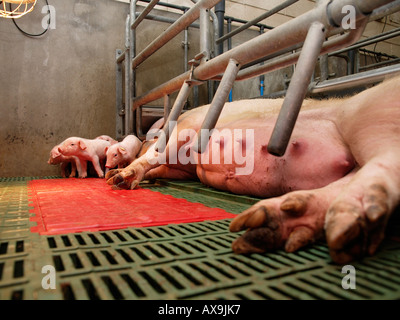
[[61, 84]]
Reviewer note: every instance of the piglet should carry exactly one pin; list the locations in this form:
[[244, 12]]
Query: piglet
[[85, 150], [57, 158], [123, 153], [107, 138]]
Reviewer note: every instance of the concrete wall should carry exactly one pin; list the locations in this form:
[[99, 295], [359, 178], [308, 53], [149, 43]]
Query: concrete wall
[[63, 83]]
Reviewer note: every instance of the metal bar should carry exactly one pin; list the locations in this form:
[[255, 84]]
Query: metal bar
[[139, 131], [127, 78], [132, 73], [259, 25], [292, 58], [385, 10], [247, 25], [144, 13], [169, 5], [120, 57], [354, 80], [173, 116], [185, 20], [220, 12], [167, 106], [217, 105], [118, 96], [297, 90], [168, 20], [366, 42], [379, 64], [204, 34]]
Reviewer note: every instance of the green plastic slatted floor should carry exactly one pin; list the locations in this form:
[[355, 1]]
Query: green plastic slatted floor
[[186, 261]]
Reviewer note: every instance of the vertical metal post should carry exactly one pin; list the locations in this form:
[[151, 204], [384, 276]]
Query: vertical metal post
[[132, 73], [229, 29], [217, 105], [185, 44], [167, 107], [323, 64], [297, 89], [173, 116], [262, 77], [127, 77], [118, 96], [220, 12], [205, 42]]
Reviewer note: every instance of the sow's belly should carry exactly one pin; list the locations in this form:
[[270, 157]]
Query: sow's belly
[[237, 159]]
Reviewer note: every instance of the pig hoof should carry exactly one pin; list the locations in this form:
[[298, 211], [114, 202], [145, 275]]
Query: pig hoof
[[355, 227], [291, 221], [111, 174]]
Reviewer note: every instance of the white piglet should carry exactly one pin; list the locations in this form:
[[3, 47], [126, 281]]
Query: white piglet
[[86, 150], [57, 158], [123, 153]]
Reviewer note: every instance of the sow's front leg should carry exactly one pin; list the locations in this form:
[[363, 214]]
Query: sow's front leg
[[130, 177], [291, 221]]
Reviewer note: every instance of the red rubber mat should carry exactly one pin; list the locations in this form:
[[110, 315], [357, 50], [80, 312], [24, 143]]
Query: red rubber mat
[[75, 205]]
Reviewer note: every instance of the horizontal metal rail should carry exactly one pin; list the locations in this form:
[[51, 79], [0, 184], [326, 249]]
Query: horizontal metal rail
[[247, 25], [354, 80], [284, 36]]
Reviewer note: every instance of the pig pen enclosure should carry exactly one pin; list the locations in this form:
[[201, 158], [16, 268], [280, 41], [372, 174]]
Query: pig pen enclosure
[[181, 248]]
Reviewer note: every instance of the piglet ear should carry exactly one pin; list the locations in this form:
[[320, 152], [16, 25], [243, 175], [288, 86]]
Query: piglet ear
[[82, 145], [122, 150], [105, 150], [55, 153]]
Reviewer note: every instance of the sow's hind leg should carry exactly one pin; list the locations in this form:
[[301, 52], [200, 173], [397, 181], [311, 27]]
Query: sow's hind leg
[[292, 221], [356, 220]]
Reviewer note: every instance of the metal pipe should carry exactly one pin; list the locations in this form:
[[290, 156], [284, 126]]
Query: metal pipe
[[247, 25], [297, 90], [233, 19], [220, 12], [120, 57], [290, 59], [167, 106], [169, 5], [354, 80], [144, 13], [379, 64], [118, 96], [375, 39], [185, 45], [173, 30], [132, 73], [204, 34], [168, 20], [173, 116], [367, 6], [217, 105], [385, 10], [127, 77], [139, 131]]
